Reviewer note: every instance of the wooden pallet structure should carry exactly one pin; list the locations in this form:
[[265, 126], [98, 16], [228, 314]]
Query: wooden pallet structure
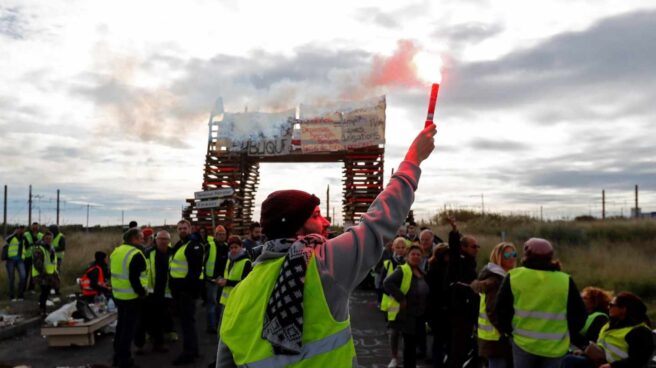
[[362, 178]]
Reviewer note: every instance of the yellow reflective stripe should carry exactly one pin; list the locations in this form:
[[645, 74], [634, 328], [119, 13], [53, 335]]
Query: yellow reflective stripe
[[308, 351], [615, 350], [121, 290], [487, 328], [540, 335], [541, 315]]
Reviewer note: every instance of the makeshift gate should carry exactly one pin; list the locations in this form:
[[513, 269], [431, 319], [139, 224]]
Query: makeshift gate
[[352, 133]]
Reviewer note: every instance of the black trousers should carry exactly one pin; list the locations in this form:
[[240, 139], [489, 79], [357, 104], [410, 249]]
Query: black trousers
[[43, 297], [186, 304], [462, 341], [152, 321], [409, 350], [129, 313], [29, 280]]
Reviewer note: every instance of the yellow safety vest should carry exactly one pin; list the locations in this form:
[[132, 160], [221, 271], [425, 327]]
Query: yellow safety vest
[[486, 331], [152, 275], [540, 304], [27, 248], [119, 263], [211, 257], [326, 342], [590, 319], [179, 265], [385, 301], [394, 306], [234, 274], [613, 341], [55, 245], [14, 248], [50, 267]]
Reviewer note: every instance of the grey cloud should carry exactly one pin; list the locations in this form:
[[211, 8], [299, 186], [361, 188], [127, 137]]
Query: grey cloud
[[498, 145], [12, 23], [376, 16], [577, 75], [468, 33]]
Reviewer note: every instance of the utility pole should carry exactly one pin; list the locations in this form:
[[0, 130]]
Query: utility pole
[[4, 217], [122, 218], [482, 204], [603, 204], [57, 207], [328, 201], [637, 210], [541, 217], [87, 217], [29, 212], [213, 220]]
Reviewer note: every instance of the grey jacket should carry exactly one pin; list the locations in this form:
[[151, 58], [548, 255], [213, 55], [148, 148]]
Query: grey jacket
[[345, 260]]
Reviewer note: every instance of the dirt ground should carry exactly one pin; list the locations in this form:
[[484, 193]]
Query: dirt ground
[[31, 349]]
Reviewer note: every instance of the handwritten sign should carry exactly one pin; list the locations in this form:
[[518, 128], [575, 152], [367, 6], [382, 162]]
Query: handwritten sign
[[321, 135], [354, 125]]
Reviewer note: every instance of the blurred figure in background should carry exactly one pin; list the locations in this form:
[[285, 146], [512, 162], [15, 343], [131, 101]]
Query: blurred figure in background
[[407, 285], [59, 243], [239, 265], [491, 344], [596, 303], [44, 271], [389, 265], [156, 311], [438, 303], [539, 306], [626, 341], [186, 277], [216, 256], [29, 240], [14, 262], [464, 303], [95, 280]]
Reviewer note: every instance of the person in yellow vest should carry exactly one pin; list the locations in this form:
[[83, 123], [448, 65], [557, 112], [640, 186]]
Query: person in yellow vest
[[538, 305], [29, 239], [239, 265], [185, 281], [156, 306], [59, 243], [292, 309], [491, 344], [596, 302], [129, 279], [388, 267], [408, 287], [14, 258], [216, 256], [44, 271], [626, 341]]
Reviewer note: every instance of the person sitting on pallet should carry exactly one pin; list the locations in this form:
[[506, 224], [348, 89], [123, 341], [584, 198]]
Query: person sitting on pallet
[[95, 281]]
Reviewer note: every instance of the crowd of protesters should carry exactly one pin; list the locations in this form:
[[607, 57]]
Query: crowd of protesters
[[283, 300], [508, 314]]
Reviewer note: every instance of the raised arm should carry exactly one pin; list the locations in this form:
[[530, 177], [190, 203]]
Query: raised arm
[[345, 260]]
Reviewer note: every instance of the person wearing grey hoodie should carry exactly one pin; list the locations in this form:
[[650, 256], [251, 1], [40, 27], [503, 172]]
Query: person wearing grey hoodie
[[293, 221], [503, 258]]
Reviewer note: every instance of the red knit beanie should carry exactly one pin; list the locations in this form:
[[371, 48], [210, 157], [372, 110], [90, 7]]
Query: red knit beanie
[[285, 211]]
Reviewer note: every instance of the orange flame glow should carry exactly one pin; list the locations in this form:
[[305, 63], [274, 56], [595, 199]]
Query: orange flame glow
[[408, 67]]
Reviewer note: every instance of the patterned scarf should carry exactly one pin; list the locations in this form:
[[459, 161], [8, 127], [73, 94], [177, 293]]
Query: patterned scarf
[[283, 320]]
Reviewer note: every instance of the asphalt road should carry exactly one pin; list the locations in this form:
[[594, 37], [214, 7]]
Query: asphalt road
[[31, 349]]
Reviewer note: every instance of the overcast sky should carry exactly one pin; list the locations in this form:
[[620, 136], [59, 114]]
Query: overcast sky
[[542, 103]]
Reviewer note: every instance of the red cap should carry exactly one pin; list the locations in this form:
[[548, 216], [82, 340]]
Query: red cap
[[148, 232]]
